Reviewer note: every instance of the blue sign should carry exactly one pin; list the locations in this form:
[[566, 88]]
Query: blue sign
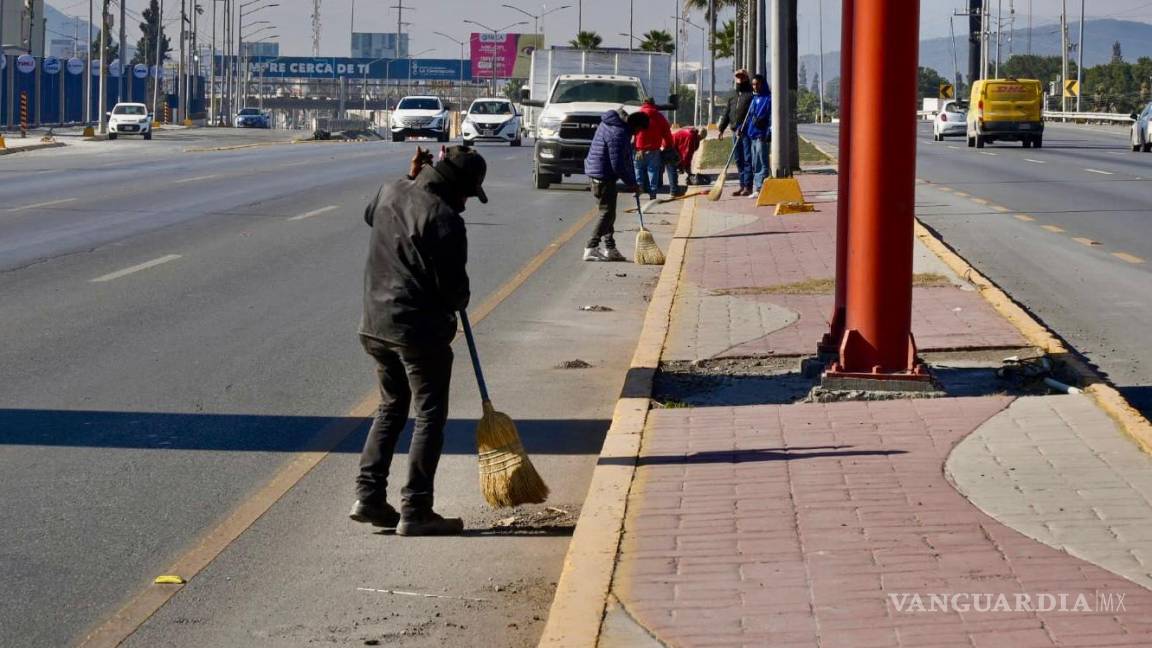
[[306, 67]]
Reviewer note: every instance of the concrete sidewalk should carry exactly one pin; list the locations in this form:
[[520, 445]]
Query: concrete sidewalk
[[998, 516]]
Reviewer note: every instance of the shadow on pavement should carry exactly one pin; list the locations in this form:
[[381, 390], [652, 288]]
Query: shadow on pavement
[[743, 456], [253, 433]]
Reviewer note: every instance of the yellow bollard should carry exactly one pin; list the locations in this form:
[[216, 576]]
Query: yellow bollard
[[2, 144], [89, 131], [778, 190]]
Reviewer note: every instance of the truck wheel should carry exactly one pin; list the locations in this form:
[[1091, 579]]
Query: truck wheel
[[979, 141], [442, 137], [111, 136], [1038, 142], [148, 135], [397, 137], [1027, 142], [540, 180], [516, 142]]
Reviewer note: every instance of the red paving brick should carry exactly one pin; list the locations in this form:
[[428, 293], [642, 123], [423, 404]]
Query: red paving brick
[[793, 525]]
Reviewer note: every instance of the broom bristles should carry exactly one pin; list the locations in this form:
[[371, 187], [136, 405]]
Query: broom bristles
[[647, 252], [717, 189], [507, 476]]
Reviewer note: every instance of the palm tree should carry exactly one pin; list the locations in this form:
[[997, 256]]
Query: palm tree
[[658, 40], [586, 40], [725, 43]]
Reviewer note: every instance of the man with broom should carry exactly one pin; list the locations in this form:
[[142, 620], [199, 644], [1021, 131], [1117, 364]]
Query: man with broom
[[610, 161], [414, 283]]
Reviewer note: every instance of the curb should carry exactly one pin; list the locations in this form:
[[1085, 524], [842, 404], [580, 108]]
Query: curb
[[33, 147], [1107, 397], [582, 592]]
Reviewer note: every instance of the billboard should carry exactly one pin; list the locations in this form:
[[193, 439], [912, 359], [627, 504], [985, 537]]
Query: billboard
[[327, 67], [510, 55]]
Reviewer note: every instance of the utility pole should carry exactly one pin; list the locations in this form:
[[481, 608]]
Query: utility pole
[[820, 39], [87, 59], [315, 29], [123, 50], [711, 59], [102, 106], [1080, 60], [975, 58], [159, 59], [631, 18], [1063, 54], [781, 90], [999, 26], [180, 80]]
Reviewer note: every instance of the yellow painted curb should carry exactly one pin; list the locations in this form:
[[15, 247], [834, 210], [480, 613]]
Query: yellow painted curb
[[1106, 396], [586, 580]]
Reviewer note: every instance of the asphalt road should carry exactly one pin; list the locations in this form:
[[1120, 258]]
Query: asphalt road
[[179, 322], [1071, 240]]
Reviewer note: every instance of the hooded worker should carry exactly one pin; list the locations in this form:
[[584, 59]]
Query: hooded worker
[[415, 282], [610, 161], [734, 116]]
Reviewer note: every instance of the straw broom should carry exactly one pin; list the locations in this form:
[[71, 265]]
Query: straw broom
[[507, 476], [718, 187], [647, 252]]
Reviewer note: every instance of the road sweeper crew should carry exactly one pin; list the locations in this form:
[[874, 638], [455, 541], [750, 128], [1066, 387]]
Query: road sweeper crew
[[610, 161], [414, 283]]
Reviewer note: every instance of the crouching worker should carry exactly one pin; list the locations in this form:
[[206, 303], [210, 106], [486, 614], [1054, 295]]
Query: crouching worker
[[414, 283], [610, 161]]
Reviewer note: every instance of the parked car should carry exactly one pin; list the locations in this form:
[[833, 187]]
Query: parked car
[[1006, 110], [422, 116], [1142, 130], [950, 121], [253, 118], [491, 120], [129, 119]]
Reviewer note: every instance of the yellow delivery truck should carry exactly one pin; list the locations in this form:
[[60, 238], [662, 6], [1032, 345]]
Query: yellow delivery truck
[[1010, 110]]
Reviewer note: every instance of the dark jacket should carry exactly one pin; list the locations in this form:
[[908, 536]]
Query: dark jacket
[[737, 108], [610, 155], [415, 279]]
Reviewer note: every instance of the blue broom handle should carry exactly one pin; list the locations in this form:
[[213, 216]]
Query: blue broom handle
[[475, 358]]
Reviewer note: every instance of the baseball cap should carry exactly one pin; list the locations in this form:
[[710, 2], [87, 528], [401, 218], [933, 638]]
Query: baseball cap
[[466, 167]]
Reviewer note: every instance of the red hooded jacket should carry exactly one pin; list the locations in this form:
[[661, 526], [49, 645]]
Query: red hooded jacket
[[658, 135], [687, 141]]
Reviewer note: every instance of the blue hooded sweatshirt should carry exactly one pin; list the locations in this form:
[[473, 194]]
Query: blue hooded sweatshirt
[[759, 124], [610, 155]]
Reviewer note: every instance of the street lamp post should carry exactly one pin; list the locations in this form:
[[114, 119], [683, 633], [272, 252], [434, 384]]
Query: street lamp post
[[460, 88], [700, 70], [364, 84], [410, 57], [492, 48], [537, 17], [241, 73]]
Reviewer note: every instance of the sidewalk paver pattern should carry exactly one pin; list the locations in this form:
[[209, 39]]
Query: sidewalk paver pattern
[[830, 524]]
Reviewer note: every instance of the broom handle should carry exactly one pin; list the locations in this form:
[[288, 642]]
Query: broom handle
[[736, 135], [475, 356], [639, 210]]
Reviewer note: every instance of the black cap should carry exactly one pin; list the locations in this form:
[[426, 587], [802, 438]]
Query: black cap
[[467, 168]]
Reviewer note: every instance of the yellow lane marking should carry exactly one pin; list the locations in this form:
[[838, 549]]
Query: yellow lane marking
[[1002, 210], [1124, 256], [1085, 241], [1024, 217], [44, 204], [115, 629], [962, 194], [980, 201], [111, 276], [314, 212], [943, 188], [1053, 228]]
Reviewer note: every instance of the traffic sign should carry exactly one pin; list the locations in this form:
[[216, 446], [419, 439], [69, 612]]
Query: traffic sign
[[75, 66], [25, 64], [1071, 88], [140, 71], [947, 91], [51, 65]]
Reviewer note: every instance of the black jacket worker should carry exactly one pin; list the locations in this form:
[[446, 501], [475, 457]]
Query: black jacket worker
[[414, 283]]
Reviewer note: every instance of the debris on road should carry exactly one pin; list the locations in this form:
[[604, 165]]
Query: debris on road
[[596, 308], [573, 364]]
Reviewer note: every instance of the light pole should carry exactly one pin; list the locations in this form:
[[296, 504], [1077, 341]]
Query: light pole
[[630, 38], [159, 55], [241, 73], [246, 58], [1080, 60], [537, 17], [412, 56], [364, 84], [492, 47], [699, 70], [460, 89]]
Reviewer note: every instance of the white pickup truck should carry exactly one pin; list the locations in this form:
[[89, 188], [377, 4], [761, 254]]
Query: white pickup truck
[[571, 105]]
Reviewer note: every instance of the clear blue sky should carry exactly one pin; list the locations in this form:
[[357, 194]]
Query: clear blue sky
[[607, 17]]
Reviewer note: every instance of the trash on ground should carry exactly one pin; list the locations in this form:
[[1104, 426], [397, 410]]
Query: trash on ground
[[596, 308]]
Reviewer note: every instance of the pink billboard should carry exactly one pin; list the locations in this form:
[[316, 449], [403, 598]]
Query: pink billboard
[[503, 56]]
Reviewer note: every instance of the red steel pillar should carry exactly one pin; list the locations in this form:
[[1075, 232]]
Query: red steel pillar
[[877, 341], [831, 342]]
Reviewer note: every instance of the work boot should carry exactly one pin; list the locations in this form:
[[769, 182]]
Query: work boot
[[739, 192], [594, 254], [612, 254], [429, 523], [385, 516]]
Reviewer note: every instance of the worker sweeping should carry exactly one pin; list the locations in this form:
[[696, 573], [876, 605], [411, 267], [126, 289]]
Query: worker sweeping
[[610, 161], [415, 282]]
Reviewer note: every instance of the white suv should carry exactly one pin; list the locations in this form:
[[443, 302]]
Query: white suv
[[129, 119], [491, 120], [423, 116]]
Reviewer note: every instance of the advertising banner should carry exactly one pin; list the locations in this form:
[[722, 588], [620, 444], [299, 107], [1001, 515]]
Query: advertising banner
[[510, 55], [326, 67]]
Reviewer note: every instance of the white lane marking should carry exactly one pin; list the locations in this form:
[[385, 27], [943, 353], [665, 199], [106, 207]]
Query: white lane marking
[[1035, 161], [955, 148], [314, 212], [44, 204], [1099, 171], [300, 163], [136, 268], [987, 153], [197, 178]]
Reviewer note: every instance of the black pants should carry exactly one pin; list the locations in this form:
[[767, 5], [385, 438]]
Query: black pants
[[605, 193], [407, 375]]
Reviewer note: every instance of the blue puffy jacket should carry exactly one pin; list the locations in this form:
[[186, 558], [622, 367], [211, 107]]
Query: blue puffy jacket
[[759, 124], [610, 156]]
